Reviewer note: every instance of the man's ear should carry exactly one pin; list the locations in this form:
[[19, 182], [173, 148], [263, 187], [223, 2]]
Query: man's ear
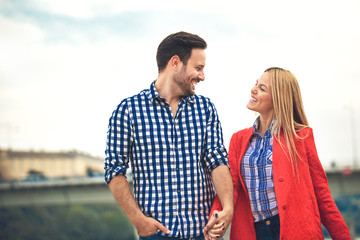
[[175, 63]]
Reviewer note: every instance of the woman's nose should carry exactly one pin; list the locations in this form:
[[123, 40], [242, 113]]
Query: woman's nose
[[253, 90]]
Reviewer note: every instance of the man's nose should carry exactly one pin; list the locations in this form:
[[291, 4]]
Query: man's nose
[[201, 76]]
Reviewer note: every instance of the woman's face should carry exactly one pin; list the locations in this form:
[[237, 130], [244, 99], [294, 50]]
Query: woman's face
[[261, 98]]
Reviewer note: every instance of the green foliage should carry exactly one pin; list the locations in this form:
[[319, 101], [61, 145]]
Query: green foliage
[[88, 222], [350, 210], [97, 222], [349, 206]]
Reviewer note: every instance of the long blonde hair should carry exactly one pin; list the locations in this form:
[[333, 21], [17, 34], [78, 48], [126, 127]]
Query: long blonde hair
[[289, 114]]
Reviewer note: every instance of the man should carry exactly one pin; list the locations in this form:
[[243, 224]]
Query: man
[[173, 140]]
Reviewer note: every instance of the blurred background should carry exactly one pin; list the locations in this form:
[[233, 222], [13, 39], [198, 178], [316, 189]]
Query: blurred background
[[66, 65]]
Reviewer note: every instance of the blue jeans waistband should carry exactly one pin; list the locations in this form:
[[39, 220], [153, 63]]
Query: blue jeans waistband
[[268, 229], [159, 237], [270, 219]]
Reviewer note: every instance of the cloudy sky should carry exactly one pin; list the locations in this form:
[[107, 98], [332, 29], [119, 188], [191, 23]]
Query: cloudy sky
[[65, 65]]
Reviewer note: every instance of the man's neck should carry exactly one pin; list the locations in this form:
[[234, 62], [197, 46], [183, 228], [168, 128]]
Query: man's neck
[[167, 90]]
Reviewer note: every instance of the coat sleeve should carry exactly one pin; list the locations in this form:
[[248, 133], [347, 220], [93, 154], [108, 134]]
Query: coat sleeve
[[329, 213], [233, 162]]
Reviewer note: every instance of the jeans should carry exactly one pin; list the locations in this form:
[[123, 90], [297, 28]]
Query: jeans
[[268, 229], [159, 237]]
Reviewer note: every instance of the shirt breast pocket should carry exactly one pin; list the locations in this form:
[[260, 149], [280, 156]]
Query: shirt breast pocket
[[269, 157]]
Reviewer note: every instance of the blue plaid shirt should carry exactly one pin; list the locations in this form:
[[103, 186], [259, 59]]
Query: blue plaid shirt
[[257, 173], [171, 158]]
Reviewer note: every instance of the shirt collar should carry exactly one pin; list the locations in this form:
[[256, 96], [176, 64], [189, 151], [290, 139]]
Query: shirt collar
[[189, 99], [256, 126], [153, 94]]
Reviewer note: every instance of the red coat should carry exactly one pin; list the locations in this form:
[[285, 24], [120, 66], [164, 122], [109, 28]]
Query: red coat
[[304, 203]]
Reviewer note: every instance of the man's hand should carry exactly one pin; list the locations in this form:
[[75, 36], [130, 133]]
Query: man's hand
[[144, 225], [148, 226], [218, 224]]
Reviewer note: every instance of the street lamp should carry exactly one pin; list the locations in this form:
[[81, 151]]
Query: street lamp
[[353, 134]]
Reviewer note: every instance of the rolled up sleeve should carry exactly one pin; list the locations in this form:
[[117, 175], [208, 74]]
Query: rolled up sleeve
[[216, 153], [118, 144]]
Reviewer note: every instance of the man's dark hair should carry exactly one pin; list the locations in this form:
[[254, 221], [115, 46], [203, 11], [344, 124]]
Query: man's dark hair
[[180, 44]]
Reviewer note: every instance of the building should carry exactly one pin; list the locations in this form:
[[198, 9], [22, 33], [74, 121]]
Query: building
[[40, 165]]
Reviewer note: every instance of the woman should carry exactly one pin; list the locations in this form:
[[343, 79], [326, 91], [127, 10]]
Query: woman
[[280, 188]]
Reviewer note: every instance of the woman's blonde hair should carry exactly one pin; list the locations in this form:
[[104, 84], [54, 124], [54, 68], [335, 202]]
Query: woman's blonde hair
[[289, 114]]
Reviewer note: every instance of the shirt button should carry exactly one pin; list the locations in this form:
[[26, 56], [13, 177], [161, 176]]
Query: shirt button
[[178, 191], [268, 222], [284, 207], [281, 179]]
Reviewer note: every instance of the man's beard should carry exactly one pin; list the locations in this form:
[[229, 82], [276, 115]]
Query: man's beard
[[182, 82]]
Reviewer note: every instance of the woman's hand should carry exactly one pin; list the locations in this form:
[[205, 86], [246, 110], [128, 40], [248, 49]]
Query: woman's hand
[[217, 225], [216, 231]]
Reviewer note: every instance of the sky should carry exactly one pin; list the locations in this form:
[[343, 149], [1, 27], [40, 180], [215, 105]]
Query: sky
[[66, 65]]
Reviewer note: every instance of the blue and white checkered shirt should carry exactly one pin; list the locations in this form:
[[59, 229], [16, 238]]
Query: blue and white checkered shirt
[[256, 171], [171, 158]]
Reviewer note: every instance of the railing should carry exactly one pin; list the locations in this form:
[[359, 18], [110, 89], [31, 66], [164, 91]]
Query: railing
[[95, 190]]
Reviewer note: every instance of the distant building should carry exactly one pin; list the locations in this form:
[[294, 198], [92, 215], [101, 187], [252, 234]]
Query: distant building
[[32, 165]]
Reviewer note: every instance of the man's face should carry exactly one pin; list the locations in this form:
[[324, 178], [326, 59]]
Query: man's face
[[192, 73]]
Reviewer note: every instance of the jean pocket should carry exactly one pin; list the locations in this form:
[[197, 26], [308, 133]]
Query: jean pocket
[[149, 237]]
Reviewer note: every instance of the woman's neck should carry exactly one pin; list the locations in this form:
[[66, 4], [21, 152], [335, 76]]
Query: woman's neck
[[264, 124]]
